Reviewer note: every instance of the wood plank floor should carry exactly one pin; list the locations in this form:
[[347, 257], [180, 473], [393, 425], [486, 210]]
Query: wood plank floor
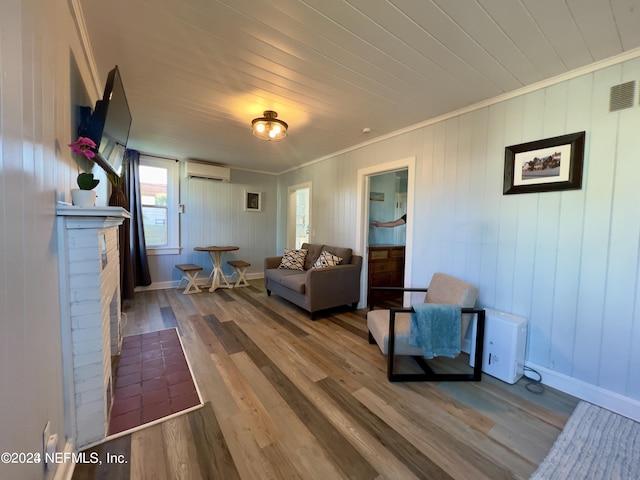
[[290, 398]]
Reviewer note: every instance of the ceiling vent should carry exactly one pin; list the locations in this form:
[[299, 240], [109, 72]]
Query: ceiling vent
[[208, 171], [622, 96]]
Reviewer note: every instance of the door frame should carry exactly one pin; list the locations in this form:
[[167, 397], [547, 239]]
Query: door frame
[[362, 217]]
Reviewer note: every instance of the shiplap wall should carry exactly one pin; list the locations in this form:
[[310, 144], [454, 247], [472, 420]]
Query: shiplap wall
[[37, 103], [567, 261], [214, 215]]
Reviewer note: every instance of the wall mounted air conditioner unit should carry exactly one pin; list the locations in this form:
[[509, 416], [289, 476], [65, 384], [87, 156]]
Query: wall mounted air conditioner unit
[[210, 172]]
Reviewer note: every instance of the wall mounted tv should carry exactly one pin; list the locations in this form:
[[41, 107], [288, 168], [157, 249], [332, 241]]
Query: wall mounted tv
[[108, 126]]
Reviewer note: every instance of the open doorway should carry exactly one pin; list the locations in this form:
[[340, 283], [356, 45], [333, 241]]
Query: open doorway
[[299, 215], [387, 236], [388, 204], [392, 246]]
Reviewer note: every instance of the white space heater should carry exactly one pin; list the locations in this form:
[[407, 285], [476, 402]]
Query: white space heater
[[505, 338]]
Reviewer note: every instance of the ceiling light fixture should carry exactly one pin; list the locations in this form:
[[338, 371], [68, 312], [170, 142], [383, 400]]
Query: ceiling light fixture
[[269, 128]]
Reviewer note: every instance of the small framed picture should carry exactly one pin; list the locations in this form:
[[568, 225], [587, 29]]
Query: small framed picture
[[548, 165], [253, 201]]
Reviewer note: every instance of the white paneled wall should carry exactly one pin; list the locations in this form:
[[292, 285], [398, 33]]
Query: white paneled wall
[[568, 261], [214, 215], [37, 41]]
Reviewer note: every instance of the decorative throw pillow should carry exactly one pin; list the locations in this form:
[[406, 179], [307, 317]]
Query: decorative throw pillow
[[327, 259], [293, 259]]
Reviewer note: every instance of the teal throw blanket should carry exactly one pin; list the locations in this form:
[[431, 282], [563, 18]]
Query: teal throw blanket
[[435, 328]]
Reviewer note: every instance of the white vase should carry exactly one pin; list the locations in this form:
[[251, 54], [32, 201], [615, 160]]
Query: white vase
[[83, 198]]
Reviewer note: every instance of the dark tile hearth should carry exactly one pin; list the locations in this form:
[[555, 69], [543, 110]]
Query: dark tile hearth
[[152, 380]]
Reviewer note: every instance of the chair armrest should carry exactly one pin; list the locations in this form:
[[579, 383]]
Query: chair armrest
[[338, 282], [397, 289], [411, 310]]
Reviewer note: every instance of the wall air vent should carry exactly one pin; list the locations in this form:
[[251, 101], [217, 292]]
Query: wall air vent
[[622, 96]]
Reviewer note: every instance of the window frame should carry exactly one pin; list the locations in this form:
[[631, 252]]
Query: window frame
[[173, 212]]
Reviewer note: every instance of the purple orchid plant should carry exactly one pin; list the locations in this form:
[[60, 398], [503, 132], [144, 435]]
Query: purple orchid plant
[[84, 146]]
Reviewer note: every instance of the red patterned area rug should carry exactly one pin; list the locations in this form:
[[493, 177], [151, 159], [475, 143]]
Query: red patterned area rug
[[153, 381]]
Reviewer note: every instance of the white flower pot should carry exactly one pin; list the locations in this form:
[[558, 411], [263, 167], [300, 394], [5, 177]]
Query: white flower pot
[[83, 198]]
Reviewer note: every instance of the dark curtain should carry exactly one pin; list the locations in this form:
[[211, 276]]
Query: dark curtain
[[118, 198], [139, 273]]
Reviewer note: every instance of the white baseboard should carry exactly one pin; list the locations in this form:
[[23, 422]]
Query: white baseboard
[[201, 281], [157, 286], [615, 402]]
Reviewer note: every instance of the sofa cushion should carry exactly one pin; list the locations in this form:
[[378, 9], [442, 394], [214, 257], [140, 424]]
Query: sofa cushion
[[344, 253], [327, 259], [378, 325], [316, 249], [277, 274], [294, 282], [293, 259], [314, 252]]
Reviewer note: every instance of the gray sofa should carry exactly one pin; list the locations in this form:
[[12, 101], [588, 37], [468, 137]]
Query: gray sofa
[[316, 289]]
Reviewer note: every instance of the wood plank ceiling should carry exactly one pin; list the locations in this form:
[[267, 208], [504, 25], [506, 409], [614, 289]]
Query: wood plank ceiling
[[196, 72]]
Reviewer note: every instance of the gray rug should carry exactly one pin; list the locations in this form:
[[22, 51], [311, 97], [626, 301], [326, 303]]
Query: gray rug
[[595, 444]]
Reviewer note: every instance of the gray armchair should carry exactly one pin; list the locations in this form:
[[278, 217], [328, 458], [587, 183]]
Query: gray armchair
[[390, 328]]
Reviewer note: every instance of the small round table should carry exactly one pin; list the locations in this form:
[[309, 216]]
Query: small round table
[[217, 277]]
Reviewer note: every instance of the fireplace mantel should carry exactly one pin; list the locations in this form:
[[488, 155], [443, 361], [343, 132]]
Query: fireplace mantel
[[112, 214], [89, 263]]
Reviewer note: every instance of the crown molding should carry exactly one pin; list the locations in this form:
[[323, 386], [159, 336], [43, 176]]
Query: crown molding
[[81, 27]]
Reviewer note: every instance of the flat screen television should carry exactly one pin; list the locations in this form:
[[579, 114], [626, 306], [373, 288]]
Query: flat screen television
[[109, 125]]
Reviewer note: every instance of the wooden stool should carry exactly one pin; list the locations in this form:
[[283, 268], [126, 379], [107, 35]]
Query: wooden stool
[[190, 272], [240, 266]]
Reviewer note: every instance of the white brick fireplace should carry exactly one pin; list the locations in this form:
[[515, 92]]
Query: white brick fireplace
[[91, 316]]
